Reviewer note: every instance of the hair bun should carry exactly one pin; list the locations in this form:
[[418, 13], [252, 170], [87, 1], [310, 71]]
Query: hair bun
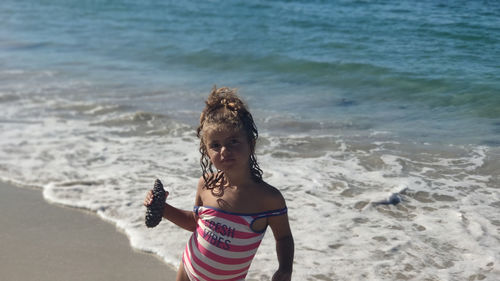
[[231, 105], [224, 97]]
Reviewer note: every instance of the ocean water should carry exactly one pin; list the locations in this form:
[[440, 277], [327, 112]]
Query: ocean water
[[355, 101]]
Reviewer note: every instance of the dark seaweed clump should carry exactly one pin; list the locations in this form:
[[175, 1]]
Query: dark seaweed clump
[[154, 212]]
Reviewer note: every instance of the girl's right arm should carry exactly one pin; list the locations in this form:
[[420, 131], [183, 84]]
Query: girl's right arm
[[182, 218]]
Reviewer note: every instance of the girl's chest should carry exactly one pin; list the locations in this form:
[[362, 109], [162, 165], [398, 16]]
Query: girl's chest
[[234, 201]]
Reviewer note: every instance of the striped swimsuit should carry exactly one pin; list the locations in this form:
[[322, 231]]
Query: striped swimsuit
[[223, 244]]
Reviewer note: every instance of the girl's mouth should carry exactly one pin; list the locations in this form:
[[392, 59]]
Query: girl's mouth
[[227, 160]]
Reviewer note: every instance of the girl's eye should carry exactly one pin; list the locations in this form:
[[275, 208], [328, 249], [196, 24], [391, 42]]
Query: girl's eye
[[214, 145]]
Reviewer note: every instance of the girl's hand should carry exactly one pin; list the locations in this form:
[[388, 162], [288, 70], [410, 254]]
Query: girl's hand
[[282, 276], [149, 197]]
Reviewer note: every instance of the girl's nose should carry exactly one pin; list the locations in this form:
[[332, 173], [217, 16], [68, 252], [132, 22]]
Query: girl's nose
[[224, 150]]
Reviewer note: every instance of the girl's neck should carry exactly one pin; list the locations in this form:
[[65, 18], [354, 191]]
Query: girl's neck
[[238, 179]]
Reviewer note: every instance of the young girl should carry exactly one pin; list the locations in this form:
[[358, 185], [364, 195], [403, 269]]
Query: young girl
[[233, 204]]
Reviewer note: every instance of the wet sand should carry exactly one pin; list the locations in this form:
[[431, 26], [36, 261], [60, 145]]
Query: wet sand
[[46, 242]]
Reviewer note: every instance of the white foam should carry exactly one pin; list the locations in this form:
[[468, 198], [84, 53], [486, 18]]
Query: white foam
[[444, 229]]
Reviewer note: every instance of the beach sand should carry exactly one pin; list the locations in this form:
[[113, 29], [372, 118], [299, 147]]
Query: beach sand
[[45, 242]]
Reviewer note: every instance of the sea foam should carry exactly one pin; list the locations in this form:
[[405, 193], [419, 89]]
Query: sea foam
[[105, 156]]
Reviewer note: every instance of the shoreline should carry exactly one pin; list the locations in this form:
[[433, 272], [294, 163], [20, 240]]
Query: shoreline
[[48, 242]]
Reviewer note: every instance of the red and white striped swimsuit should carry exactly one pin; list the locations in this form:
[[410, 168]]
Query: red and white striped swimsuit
[[223, 245]]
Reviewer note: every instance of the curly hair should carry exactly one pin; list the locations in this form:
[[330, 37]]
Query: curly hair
[[223, 108]]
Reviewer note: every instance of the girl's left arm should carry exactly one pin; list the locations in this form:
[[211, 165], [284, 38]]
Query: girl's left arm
[[284, 241], [284, 247]]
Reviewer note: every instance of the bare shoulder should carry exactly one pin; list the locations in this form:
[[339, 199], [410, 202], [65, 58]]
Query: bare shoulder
[[203, 194], [201, 183], [199, 192], [279, 224], [272, 196]]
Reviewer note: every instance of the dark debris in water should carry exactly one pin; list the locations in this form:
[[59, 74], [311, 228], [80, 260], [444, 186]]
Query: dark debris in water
[[394, 199], [346, 102]]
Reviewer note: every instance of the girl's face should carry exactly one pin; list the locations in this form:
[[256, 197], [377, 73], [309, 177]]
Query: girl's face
[[227, 149]]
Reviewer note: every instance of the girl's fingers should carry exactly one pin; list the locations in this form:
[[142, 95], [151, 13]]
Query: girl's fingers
[[149, 198]]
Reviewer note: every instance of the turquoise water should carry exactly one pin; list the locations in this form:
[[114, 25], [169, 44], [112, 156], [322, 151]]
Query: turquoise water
[[391, 64], [355, 101]]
